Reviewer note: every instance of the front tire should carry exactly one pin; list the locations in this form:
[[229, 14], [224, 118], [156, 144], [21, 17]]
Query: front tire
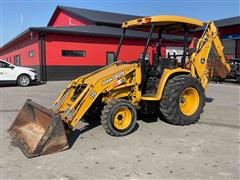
[[24, 80], [183, 100], [119, 117]]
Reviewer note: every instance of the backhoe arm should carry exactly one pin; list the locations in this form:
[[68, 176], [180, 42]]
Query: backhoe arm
[[199, 58]]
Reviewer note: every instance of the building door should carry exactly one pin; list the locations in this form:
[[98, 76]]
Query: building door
[[110, 57], [17, 60]]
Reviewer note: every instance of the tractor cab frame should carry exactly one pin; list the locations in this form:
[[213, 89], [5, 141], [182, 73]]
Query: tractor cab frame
[[159, 25]]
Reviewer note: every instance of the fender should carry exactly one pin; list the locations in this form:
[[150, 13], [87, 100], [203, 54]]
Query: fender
[[167, 75]]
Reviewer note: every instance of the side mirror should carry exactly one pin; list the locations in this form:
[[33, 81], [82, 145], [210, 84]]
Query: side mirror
[[12, 67]]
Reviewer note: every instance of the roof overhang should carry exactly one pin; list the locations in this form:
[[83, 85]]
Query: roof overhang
[[93, 16], [25, 34]]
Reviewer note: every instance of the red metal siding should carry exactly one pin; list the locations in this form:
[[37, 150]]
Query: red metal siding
[[163, 51], [95, 47], [224, 31], [63, 19], [229, 30], [22, 48]]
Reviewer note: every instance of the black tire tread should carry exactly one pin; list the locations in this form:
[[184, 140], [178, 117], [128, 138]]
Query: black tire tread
[[106, 113], [18, 83], [169, 101]]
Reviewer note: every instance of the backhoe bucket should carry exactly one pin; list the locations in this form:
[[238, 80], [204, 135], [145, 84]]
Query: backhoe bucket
[[38, 130]]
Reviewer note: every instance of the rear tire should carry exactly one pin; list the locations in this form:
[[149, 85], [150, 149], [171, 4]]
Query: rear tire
[[119, 117], [183, 100], [24, 80]]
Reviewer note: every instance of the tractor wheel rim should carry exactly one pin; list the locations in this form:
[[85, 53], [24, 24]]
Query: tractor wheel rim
[[189, 101], [122, 118], [24, 80]]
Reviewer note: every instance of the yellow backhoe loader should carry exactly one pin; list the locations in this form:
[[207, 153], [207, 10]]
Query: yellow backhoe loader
[[175, 88]]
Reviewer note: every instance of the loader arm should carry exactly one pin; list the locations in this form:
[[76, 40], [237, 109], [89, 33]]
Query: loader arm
[[81, 93], [38, 130], [199, 59]]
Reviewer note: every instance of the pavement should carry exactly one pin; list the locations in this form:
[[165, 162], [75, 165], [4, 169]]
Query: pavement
[[156, 150]]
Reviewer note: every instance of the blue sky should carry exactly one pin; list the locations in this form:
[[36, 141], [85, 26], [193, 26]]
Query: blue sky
[[17, 15]]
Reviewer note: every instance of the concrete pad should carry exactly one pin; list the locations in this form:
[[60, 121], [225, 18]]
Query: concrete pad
[[156, 150]]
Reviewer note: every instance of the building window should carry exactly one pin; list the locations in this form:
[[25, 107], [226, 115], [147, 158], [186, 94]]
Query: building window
[[74, 53], [110, 57], [31, 53], [17, 60]]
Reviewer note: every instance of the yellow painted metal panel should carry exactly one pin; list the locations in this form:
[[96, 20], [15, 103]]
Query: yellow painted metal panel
[[163, 20], [162, 83]]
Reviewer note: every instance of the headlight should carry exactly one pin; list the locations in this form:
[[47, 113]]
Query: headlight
[[34, 71]]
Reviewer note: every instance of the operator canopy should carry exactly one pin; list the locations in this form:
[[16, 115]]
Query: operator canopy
[[167, 23]]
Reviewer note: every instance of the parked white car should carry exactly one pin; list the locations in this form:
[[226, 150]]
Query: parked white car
[[10, 73]]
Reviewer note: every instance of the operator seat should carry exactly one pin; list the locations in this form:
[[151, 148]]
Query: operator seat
[[157, 68]]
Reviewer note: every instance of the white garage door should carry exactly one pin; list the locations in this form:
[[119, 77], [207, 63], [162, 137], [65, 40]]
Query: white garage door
[[229, 47], [177, 50]]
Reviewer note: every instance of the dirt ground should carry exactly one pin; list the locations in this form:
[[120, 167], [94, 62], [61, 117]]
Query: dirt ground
[[156, 150]]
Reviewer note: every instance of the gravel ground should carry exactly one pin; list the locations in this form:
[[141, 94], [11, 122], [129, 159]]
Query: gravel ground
[[156, 150]]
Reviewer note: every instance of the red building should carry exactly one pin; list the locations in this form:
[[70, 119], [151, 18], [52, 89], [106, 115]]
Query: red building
[[229, 30], [77, 41]]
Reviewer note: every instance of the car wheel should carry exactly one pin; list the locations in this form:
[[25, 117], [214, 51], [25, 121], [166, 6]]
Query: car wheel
[[23, 80]]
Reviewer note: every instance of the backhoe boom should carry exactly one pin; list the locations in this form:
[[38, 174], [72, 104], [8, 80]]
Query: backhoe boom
[[199, 59]]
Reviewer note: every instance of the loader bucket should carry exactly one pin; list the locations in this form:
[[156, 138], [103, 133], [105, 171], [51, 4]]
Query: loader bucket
[[38, 130]]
